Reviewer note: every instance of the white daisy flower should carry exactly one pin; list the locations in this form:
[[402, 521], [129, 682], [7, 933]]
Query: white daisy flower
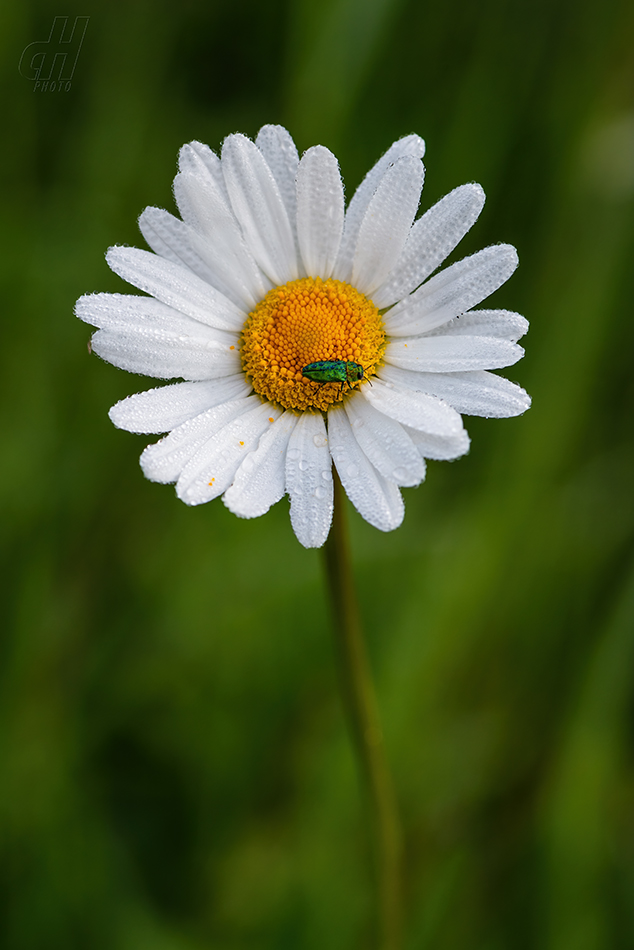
[[268, 273]]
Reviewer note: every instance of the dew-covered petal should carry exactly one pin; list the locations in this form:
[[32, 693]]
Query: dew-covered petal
[[409, 145], [164, 355], [503, 324], [452, 354], [376, 499], [385, 442], [217, 239], [474, 394], [479, 394], [454, 290], [129, 311], [258, 206], [165, 460], [260, 481], [213, 468], [176, 286], [415, 409], [164, 408], [280, 153], [386, 224], [430, 240], [320, 209], [442, 448], [198, 159], [142, 335], [172, 239], [309, 480]]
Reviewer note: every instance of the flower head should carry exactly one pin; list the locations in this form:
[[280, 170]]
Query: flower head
[[306, 333]]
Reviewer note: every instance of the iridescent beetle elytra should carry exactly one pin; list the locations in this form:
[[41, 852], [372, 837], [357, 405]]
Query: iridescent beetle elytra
[[334, 371]]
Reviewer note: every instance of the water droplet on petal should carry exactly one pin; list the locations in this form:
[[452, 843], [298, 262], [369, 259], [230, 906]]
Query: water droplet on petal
[[399, 474], [352, 471], [320, 441], [319, 492], [357, 423], [303, 465], [293, 454], [327, 475]]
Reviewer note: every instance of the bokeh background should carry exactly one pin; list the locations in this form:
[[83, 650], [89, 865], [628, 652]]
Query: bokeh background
[[175, 770]]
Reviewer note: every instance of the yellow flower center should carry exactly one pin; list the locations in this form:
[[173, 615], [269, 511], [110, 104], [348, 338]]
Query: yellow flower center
[[308, 321]]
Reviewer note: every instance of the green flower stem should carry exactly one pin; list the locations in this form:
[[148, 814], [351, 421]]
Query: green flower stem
[[363, 719]]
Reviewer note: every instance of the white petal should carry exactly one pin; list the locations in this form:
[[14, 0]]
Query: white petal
[[142, 335], [258, 206], [409, 145], [309, 480], [440, 447], [260, 480], [165, 460], [176, 286], [200, 160], [452, 291], [375, 498], [452, 354], [474, 394], [319, 211], [164, 356], [213, 468], [171, 238], [414, 409], [385, 442], [217, 239], [431, 239], [132, 311], [280, 153], [386, 224], [503, 324], [203, 187], [164, 408]]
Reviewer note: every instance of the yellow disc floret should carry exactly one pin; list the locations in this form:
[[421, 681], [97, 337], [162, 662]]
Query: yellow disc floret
[[306, 321]]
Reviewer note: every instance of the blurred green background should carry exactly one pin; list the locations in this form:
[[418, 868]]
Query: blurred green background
[[175, 771]]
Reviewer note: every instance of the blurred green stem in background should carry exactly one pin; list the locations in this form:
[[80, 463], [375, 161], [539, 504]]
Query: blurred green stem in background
[[363, 719]]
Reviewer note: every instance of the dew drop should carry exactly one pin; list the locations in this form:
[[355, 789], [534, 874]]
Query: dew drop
[[326, 475], [303, 465], [352, 471], [248, 464], [319, 492], [399, 474], [320, 441], [293, 455], [357, 423]]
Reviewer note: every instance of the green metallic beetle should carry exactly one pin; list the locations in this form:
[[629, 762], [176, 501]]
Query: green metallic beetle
[[334, 371]]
